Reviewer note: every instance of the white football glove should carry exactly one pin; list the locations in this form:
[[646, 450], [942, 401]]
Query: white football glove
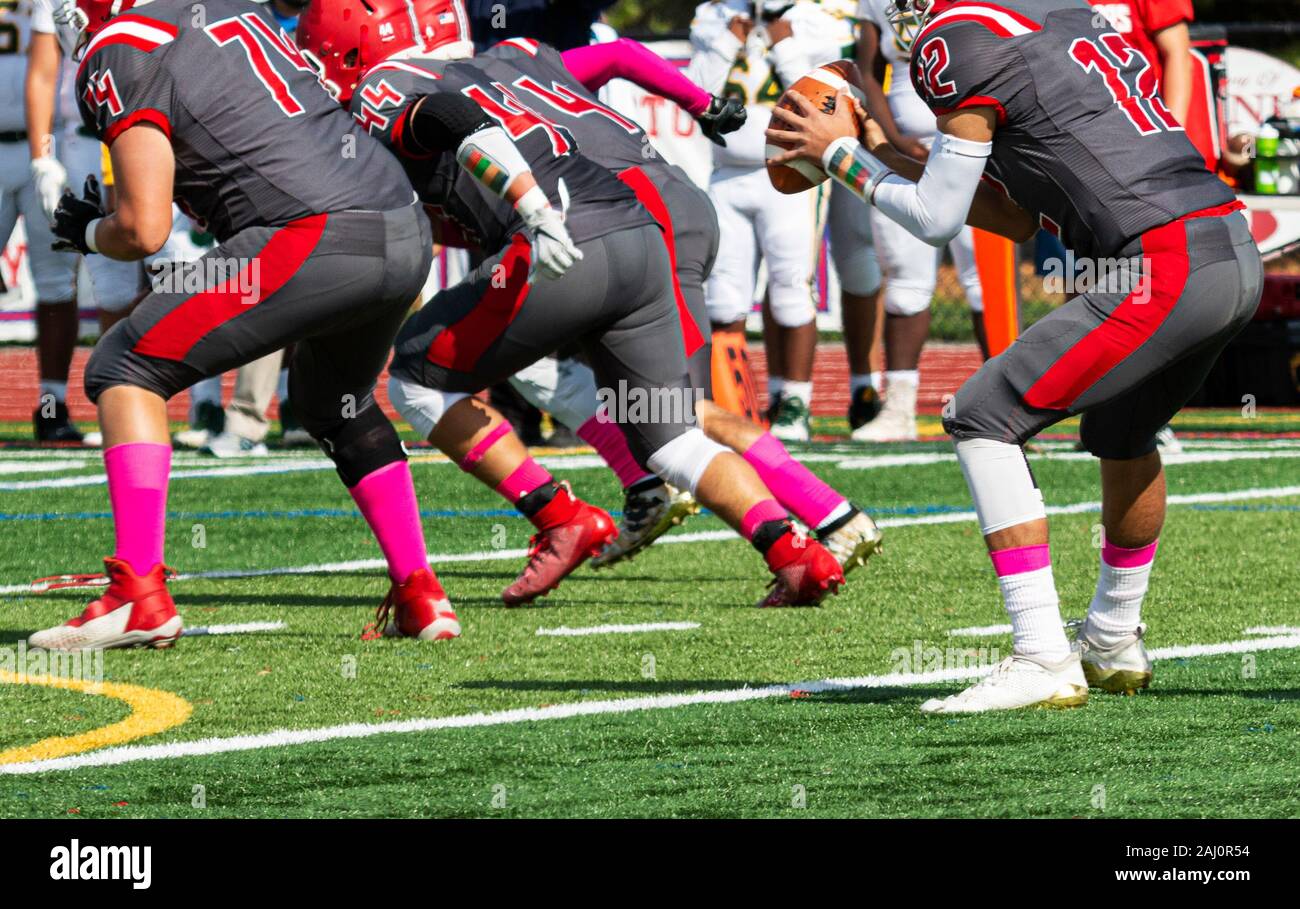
[[51, 179], [554, 251]]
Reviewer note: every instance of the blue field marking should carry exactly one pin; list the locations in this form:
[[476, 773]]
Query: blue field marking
[[452, 513]]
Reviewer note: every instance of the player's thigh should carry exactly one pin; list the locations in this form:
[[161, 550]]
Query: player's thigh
[[962, 248], [1127, 406], [639, 358], [497, 321], [789, 238], [264, 288], [729, 288], [852, 250], [53, 273], [910, 266]]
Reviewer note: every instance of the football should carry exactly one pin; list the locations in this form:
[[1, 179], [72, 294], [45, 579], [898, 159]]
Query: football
[[820, 87]]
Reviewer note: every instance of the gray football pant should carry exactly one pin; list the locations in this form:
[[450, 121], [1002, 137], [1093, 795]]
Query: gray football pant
[[616, 304], [337, 286], [1129, 358]]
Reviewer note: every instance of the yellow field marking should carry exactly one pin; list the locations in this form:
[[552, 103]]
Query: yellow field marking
[[152, 711]]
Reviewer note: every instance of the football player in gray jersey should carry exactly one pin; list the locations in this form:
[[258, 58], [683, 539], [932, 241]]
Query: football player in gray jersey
[[316, 248], [690, 227], [1062, 121], [493, 166]]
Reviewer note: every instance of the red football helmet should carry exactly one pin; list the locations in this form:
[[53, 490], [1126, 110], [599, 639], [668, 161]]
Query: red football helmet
[[78, 20], [345, 38]]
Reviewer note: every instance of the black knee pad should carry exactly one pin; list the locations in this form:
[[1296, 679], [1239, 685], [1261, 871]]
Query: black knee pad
[[360, 445]]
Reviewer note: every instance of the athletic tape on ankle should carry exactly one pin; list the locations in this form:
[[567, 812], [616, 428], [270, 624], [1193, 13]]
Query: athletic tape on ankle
[[1001, 484], [470, 461], [760, 514]]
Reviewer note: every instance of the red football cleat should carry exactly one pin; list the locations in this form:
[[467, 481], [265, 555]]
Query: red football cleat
[[805, 572], [569, 532], [134, 611], [421, 609]]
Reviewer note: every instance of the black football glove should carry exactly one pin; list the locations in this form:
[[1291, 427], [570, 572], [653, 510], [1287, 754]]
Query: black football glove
[[72, 216], [723, 115]]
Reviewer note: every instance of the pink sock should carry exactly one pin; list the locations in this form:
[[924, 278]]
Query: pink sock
[[386, 498], [1119, 557], [1021, 559], [137, 487], [760, 514], [795, 486], [610, 443], [527, 477]]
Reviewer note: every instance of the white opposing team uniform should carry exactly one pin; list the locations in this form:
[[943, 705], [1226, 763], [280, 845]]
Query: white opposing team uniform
[[116, 284], [53, 273], [755, 220], [910, 264]]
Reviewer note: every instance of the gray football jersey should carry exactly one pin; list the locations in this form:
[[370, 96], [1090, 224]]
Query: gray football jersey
[[605, 136], [464, 211], [1084, 142], [257, 140]]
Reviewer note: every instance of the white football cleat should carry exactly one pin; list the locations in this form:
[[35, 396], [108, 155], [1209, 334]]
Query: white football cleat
[[647, 516], [854, 541], [1124, 668], [897, 419], [135, 611], [1019, 681], [229, 445]]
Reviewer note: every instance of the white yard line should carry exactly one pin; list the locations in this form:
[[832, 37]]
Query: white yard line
[[980, 631], [706, 536], [43, 466], [240, 628], [98, 479], [845, 460], [565, 632], [1272, 629], [128, 754]]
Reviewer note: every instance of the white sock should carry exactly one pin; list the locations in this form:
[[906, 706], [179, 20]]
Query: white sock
[[800, 390], [859, 380], [282, 389], [840, 511], [57, 390], [1116, 608], [1035, 611], [1029, 592], [910, 376], [877, 380], [775, 385]]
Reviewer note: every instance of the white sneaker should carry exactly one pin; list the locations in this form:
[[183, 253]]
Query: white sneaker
[[1019, 681], [1167, 442], [646, 517], [1124, 668], [193, 438], [897, 420], [792, 421], [229, 445], [857, 540]]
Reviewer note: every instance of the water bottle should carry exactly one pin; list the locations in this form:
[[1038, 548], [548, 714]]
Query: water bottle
[[1266, 160]]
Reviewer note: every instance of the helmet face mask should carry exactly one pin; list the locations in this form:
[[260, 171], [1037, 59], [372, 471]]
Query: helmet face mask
[[906, 17], [344, 39], [77, 21]]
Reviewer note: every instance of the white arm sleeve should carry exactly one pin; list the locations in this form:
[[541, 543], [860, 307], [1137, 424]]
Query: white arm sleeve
[[935, 208]]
